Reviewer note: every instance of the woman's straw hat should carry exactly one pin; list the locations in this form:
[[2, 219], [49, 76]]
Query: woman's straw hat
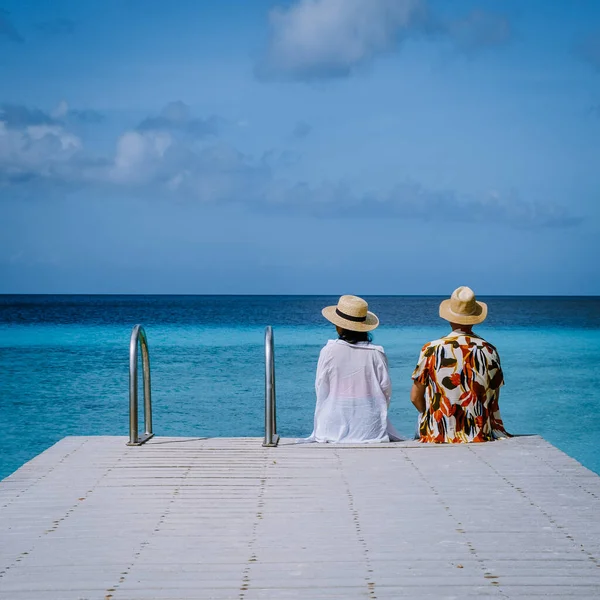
[[463, 308], [351, 313]]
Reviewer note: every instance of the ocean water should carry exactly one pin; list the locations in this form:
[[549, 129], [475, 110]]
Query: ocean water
[[64, 365]]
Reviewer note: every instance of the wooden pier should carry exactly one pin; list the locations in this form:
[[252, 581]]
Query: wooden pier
[[189, 518]]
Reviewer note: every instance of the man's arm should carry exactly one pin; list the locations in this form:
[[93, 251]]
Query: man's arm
[[417, 396]]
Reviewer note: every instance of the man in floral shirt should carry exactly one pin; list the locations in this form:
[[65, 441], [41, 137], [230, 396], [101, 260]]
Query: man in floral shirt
[[456, 383]]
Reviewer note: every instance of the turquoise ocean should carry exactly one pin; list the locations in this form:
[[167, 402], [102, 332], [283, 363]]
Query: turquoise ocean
[[64, 365]]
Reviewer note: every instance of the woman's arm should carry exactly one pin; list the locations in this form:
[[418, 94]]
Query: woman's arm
[[322, 376]]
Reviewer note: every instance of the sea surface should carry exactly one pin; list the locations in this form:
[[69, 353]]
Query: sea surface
[[64, 365]]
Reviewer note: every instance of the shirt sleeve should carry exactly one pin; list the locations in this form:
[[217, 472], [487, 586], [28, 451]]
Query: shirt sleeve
[[385, 382], [421, 373], [322, 378], [495, 370]]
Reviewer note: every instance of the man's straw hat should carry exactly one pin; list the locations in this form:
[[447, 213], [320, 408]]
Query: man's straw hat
[[351, 313], [463, 308]]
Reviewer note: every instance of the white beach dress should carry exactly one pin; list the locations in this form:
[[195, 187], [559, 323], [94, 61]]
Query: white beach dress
[[353, 394]]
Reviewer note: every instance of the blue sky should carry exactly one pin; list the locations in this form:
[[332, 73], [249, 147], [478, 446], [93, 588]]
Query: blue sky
[[306, 146]]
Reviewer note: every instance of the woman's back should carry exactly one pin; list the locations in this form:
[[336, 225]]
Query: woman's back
[[352, 371], [353, 392], [352, 384]]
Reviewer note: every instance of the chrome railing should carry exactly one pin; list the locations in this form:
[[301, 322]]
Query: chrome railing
[[139, 335], [271, 437]]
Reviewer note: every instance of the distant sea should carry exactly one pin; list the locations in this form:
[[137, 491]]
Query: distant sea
[[64, 365]]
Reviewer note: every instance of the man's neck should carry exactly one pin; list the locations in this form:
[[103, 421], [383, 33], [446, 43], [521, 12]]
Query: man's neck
[[462, 329]]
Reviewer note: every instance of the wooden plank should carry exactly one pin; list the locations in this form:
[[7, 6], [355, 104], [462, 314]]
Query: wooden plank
[[225, 518]]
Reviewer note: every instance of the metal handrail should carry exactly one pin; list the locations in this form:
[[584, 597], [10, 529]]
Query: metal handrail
[[271, 438], [138, 334]]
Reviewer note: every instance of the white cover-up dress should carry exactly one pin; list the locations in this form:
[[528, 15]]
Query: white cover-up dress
[[353, 394]]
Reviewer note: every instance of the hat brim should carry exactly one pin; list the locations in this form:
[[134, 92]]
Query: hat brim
[[479, 317], [370, 323]]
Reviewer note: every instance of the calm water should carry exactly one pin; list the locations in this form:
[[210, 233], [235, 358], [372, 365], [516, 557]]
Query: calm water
[[64, 365]]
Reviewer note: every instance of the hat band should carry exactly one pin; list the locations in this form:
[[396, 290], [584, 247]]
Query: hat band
[[350, 317]]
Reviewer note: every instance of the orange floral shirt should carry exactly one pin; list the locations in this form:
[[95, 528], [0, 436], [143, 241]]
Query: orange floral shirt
[[462, 375]]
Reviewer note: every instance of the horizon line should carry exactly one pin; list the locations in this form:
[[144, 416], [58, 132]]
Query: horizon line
[[260, 295]]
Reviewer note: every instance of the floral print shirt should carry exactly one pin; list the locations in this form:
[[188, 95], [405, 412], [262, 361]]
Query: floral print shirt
[[462, 375]]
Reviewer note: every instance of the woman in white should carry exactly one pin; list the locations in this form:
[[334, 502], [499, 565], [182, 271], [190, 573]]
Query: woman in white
[[353, 384]]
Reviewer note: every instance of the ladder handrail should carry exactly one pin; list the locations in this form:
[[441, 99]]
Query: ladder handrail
[[271, 438], [139, 335]]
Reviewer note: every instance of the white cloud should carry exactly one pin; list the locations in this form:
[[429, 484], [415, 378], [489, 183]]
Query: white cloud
[[68, 142], [61, 110], [169, 163], [414, 201], [312, 39], [138, 155], [323, 39], [162, 163], [177, 116], [35, 151]]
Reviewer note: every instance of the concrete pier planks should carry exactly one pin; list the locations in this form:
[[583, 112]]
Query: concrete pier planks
[[224, 518]]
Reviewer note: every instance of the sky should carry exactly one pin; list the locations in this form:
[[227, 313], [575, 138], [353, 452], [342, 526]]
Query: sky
[[300, 147]]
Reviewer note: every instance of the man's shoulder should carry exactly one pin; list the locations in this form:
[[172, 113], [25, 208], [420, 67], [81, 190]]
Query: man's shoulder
[[431, 346], [482, 343], [456, 341]]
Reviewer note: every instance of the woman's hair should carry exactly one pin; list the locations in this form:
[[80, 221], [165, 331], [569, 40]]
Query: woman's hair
[[355, 336]]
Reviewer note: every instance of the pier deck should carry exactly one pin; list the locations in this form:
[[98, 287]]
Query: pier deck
[[189, 518]]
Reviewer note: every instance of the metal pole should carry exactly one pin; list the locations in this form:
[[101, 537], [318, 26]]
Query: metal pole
[[273, 403], [271, 437], [268, 386], [138, 334], [133, 387], [147, 386]]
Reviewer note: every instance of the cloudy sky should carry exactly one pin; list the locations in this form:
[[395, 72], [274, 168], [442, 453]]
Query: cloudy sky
[[305, 146]]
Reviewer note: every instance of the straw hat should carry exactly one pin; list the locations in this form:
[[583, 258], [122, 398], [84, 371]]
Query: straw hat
[[351, 313], [463, 308]]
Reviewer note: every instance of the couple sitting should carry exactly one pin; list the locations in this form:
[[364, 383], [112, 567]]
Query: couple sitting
[[456, 383]]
